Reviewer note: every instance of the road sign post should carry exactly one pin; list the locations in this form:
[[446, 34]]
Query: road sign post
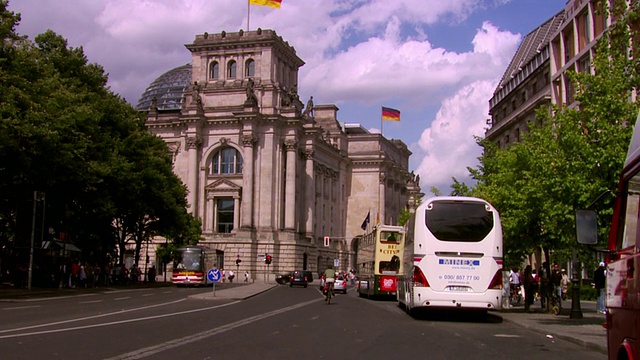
[[214, 276]]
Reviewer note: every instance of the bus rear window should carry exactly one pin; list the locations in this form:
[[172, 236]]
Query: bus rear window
[[188, 260], [459, 221]]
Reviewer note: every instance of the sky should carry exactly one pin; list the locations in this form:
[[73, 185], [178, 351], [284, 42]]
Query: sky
[[437, 61]]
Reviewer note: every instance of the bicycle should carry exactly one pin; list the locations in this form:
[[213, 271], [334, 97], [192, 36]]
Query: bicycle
[[328, 292], [556, 302], [515, 297]]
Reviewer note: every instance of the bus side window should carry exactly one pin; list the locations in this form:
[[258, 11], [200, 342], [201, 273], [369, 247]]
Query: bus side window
[[631, 213]]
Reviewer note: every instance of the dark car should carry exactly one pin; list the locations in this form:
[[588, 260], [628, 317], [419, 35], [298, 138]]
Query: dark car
[[298, 278], [308, 274], [283, 278]]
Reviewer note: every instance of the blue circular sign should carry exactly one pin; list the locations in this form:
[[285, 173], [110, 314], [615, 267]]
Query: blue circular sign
[[213, 275]]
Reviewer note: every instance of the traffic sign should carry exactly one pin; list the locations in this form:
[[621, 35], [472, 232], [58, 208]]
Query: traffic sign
[[213, 275], [336, 262]]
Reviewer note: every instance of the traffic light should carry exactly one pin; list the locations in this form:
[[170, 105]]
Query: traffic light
[[238, 261], [267, 259]]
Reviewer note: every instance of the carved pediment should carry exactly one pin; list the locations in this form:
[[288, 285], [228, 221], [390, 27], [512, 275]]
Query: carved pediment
[[223, 186]]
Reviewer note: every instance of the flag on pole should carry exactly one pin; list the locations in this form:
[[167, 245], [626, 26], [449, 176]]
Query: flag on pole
[[390, 114], [269, 3], [378, 218], [366, 221]]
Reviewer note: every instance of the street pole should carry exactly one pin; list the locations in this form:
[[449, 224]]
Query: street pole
[[576, 312]]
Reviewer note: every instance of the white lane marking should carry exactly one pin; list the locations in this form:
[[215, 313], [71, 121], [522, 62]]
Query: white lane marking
[[90, 302], [114, 322], [21, 307], [149, 294], [506, 336], [122, 298], [152, 350], [90, 317]]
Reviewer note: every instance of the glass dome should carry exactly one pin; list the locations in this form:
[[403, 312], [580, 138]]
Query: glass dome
[[168, 89]]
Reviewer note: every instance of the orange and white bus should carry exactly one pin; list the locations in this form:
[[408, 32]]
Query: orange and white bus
[[190, 266]]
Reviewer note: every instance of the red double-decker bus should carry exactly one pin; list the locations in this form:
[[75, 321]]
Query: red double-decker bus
[[623, 258]]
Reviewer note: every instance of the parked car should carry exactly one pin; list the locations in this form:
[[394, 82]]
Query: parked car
[[283, 278], [298, 278], [340, 284]]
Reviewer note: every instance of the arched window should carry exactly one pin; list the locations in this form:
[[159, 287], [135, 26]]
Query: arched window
[[250, 68], [226, 161], [231, 70], [214, 70]]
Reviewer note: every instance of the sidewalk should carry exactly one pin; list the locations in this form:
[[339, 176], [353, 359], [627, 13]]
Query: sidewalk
[[587, 332]]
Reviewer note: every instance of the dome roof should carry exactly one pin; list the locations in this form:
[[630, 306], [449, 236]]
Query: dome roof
[[168, 89]]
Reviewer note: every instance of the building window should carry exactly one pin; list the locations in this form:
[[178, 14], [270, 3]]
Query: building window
[[231, 69], [214, 70], [585, 64], [227, 161], [224, 215], [534, 88], [250, 68]]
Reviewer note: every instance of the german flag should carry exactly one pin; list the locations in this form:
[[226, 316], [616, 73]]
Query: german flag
[[269, 3], [390, 114]]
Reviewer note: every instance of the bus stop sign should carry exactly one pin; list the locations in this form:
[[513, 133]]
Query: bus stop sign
[[213, 275]]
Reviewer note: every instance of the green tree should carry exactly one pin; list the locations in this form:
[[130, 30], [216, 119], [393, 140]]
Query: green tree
[[63, 132]]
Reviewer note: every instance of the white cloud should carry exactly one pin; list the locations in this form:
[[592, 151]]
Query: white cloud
[[359, 53]]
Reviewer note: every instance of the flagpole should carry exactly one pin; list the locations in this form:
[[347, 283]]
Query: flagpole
[[248, 14]]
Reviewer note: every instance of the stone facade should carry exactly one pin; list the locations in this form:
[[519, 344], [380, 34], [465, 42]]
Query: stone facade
[[265, 173]]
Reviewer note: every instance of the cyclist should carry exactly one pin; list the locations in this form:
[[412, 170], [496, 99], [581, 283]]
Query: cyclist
[[329, 279], [514, 283]]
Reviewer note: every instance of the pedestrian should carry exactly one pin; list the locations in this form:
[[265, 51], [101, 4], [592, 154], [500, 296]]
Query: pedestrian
[[599, 279], [224, 276], [543, 275], [565, 284], [529, 287], [152, 274], [556, 281], [246, 276], [231, 276]]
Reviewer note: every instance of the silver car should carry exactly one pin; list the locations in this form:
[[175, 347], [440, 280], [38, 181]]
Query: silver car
[[340, 285]]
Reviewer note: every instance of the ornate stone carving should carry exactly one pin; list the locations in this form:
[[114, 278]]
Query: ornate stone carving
[[383, 177], [249, 140], [193, 142], [224, 140], [251, 100], [309, 153], [308, 111], [291, 144]]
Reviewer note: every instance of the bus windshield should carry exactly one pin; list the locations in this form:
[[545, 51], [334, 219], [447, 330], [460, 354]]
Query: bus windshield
[[459, 221], [188, 260]]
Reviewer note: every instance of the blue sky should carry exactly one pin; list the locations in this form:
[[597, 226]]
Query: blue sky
[[436, 61]]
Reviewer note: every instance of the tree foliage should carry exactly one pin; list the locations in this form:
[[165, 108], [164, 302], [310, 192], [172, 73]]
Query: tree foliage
[[567, 162], [106, 179]]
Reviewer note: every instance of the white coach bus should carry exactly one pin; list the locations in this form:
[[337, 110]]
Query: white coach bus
[[452, 256]]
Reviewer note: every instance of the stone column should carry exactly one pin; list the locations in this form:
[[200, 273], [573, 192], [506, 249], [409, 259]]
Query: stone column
[[248, 142], [193, 144], [290, 184], [236, 212], [310, 191], [383, 197]]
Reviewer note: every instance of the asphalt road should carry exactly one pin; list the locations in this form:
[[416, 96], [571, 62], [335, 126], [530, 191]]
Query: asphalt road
[[282, 323]]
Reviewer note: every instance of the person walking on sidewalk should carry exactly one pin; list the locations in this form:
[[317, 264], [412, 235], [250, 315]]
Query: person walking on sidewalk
[[599, 279], [529, 287]]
